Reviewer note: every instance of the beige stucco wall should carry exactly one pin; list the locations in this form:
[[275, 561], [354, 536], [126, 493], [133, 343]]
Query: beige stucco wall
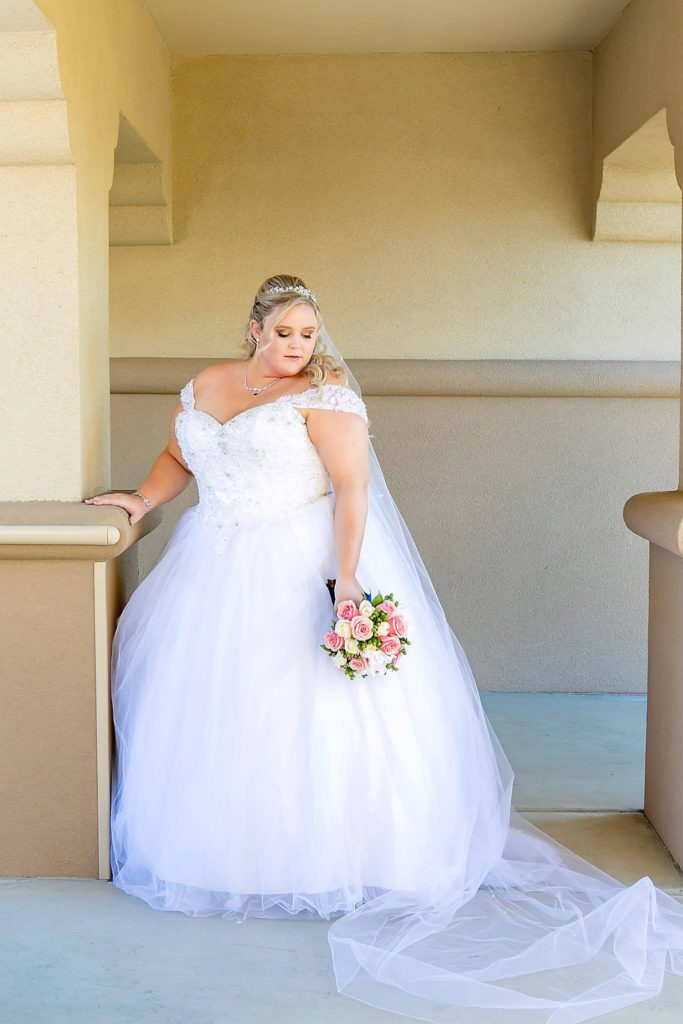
[[526, 467], [638, 70], [54, 345], [441, 206], [438, 203]]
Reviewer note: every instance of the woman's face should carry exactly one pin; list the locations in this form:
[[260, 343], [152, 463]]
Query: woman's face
[[286, 341]]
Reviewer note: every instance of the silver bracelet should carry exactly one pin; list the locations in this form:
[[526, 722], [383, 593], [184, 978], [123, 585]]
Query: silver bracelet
[[147, 502]]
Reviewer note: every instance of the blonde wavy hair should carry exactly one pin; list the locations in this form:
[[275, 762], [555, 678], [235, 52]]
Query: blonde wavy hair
[[322, 364]]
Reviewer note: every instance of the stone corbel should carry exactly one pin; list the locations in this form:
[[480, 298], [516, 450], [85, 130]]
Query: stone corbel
[[639, 198]]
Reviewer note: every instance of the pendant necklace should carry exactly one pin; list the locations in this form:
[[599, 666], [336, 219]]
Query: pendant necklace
[[257, 391]]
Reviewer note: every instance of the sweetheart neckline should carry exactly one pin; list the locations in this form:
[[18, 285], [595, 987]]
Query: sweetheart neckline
[[253, 408]]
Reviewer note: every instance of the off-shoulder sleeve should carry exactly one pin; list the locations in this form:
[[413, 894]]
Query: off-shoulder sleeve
[[334, 396], [187, 395]]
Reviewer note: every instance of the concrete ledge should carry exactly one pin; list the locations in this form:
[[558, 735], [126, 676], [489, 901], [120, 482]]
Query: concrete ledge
[[69, 530], [140, 375], [658, 517]]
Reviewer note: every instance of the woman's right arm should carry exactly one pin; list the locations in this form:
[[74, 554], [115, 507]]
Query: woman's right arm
[[166, 479]]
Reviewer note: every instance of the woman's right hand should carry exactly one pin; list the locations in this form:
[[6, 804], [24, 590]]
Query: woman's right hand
[[132, 503]]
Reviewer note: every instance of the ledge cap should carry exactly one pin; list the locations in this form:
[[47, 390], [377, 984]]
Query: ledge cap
[[658, 517], [69, 530]]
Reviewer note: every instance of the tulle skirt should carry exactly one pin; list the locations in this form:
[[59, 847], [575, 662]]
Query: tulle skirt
[[251, 777]]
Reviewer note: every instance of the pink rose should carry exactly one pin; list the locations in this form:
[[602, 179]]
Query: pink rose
[[387, 606], [390, 645], [397, 624], [347, 609], [334, 641], [361, 627], [358, 664]]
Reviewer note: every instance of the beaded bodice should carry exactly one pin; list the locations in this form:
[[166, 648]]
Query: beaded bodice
[[261, 462]]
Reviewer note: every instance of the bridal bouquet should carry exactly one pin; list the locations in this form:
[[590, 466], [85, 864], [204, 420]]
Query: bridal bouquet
[[368, 639]]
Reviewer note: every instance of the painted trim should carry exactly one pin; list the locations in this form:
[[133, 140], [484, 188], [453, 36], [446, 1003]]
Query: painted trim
[[102, 715], [58, 534]]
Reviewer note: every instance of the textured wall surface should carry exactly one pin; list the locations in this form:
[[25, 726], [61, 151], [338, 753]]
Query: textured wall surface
[[514, 500], [439, 204]]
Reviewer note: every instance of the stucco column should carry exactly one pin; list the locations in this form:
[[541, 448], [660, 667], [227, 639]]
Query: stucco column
[[66, 570], [658, 517], [40, 329], [637, 118], [70, 73]]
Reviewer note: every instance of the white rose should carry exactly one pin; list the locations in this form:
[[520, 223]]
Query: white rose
[[407, 617], [351, 645], [342, 627], [365, 607], [383, 629], [377, 662], [339, 660]]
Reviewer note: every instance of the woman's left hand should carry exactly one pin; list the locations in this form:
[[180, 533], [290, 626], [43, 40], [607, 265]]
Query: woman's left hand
[[347, 588]]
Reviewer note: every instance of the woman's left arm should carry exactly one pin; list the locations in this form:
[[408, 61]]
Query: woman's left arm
[[341, 439]]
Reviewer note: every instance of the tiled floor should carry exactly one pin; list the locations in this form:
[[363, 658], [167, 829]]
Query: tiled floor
[[79, 950]]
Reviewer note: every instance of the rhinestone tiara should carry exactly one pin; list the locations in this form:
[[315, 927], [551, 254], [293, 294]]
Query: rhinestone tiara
[[275, 288]]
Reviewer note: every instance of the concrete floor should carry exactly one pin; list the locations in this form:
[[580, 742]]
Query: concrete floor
[[79, 950]]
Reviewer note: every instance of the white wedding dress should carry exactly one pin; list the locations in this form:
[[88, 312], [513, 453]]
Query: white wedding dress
[[252, 778]]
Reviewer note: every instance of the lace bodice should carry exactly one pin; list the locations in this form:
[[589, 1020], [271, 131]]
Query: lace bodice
[[261, 462]]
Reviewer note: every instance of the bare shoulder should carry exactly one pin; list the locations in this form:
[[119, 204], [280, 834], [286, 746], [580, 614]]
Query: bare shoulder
[[218, 376]]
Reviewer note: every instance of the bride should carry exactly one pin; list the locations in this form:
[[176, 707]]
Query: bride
[[252, 778]]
